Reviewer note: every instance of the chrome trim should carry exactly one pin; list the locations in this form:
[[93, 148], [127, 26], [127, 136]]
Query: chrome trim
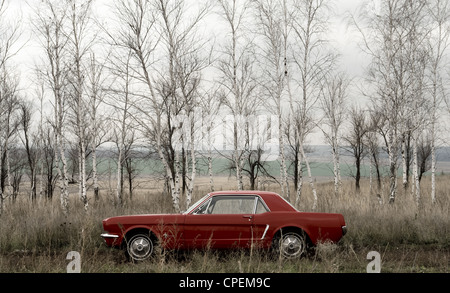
[[106, 235], [255, 204], [263, 203], [265, 231]]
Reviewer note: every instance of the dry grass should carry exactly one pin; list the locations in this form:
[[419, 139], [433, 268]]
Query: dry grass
[[36, 237]]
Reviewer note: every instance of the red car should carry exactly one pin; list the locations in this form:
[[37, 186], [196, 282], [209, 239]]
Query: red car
[[224, 220]]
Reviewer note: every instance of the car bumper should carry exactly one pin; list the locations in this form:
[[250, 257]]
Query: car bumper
[[344, 230], [110, 239]]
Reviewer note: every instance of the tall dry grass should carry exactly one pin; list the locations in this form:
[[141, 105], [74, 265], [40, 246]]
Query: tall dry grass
[[36, 236]]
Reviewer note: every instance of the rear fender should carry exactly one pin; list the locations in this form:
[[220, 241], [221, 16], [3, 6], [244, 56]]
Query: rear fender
[[294, 228]]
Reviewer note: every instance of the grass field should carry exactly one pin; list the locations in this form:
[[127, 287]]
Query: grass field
[[36, 237]]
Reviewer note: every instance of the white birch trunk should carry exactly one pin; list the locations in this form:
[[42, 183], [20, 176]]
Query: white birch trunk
[[94, 173], [210, 167], [311, 179], [416, 171], [82, 158], [336, 163], [299, 181], [433, 138], [60, 155], [433, 168], [190, 190], [392, 149], [64, 181], [283, 170], [404, 164], [237, 158], [193, 164], [119, 177], [211, 175]]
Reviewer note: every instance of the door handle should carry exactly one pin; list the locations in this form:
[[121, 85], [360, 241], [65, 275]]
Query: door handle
[[248, 216]]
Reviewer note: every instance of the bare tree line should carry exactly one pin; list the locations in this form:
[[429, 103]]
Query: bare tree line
[[156, 74]]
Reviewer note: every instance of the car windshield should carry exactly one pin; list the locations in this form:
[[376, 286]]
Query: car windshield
[[192, 207]]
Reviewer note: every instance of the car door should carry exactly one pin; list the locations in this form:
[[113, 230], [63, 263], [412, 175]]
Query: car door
[[224, 221]]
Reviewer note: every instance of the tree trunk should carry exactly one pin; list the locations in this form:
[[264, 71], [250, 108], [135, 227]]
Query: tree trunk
[[416, 182], [311, 180], [336, 167], [404, 163], [82, 160], [392, 150], [193, 164], [237, 157], [299, 179], [64, 181], [433, 165], [94, 174], [119, 189]]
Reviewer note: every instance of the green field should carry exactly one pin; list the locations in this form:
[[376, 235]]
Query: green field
[[221, 167]]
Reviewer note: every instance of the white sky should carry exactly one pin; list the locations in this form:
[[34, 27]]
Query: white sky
[[343, 38]]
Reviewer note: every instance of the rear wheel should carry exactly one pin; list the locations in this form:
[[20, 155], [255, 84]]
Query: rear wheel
[[140, 247], [290, 245]]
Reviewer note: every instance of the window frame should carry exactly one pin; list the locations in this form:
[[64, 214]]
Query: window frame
[[256, 197]]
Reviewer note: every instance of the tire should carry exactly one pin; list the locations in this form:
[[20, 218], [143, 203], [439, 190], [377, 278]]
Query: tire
[[139, 247], [290, 245]]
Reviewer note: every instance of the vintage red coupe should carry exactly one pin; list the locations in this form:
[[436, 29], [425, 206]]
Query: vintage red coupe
[[226, 220]]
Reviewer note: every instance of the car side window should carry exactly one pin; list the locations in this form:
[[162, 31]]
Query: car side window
[[232, 205], [261, 207]]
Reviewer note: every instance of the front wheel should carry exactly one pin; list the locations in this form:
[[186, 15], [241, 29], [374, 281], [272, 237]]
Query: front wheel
[[139, 247], [290, 245]]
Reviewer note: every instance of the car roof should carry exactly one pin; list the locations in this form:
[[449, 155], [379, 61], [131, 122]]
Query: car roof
[[240, 192], [273, 200]]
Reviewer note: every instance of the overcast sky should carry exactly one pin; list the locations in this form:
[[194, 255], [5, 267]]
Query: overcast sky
[[343, 38]]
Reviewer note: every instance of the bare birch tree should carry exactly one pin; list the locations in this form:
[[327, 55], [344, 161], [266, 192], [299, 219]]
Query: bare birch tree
[[50, 24], [120, 99], [98, 126], [419, 107], [355, 140], [9, 123], [333, 104], [210, 106], [373, 148], [31, 144], [164, 31], [79, 45], [390, 39], [135, 39], [187, 56], [9, 38], [273, 22], [237, 76], [439, 13], [313, 61]]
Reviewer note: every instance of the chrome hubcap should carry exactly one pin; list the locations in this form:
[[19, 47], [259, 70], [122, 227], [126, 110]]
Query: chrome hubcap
[[292, 245], [140, 247]]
